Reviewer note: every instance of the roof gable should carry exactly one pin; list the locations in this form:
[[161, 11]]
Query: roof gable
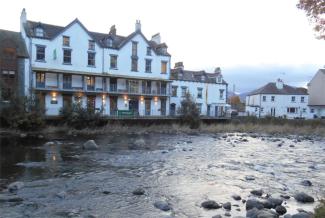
[[271, 88], [13, 39]]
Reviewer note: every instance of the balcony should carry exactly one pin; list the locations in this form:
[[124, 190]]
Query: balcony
[[40, 84]]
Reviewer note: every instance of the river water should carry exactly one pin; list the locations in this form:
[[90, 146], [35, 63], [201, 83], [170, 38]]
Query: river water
[[63, 180]]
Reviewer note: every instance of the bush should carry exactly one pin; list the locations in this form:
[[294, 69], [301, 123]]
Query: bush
[[320, 210], [24, 113], [79, 117], [189, 112]]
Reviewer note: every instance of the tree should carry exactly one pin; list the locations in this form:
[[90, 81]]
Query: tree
[[315, 11], [189, 112]]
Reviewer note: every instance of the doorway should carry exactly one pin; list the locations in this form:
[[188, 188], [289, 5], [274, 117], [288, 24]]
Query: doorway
[[147, 104], [163, 107], [134, 106], [113, 105], [172, 109]]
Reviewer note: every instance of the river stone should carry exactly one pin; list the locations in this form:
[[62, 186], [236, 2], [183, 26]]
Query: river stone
[[280, 209], [210, 205], [15, 186], [236, 197], [217, 216], [257, 192], [90, 145], [306, 183], [162, 205], [303, 198], [253, 203], [287, 216], [263, 213], [249, 178], [49, 144], [274, 202], [138, 191], [302, 215], [10, 198], [227, 206], [227, 214], [61, 194]]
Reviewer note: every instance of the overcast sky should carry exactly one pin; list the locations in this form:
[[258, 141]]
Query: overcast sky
[[253, 41]]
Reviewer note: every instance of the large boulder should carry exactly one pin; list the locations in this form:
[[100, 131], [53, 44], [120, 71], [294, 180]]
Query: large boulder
[[263, 213], [210, 205], [253, 203], [306, 183], [280, 209], [138, 191], [302, 215], [303, 198], [236, 197], [272, 203], [15, 186], [162, 205], [90, 145], [257, 192], [227, 206]]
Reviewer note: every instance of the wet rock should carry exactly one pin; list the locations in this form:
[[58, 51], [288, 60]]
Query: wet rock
[[302, 215], [257, 192], [285, 196], [243, 200], [236, 197], [287, 216], [49, 143], [280, 209], [23, 135], [253, 203], [92, 216], [106, 192], [313, 167], [61, 195], [291, 146], [15, 186], [263, 213], [10, 198], [189, 142], [210, 205], [227, 214], [306, 183], [138, 191], [274, 202], [162, 205], [90, 145], [217, 216], [164, 152], [140, 142], [280, 144], [227, 206], [250, 178], [303, 198]]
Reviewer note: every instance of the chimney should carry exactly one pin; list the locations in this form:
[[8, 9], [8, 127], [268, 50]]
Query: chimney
[[217, 70], [23, 16], [156, 38], [112, 30], [138, 26], [179, 65], [279, 84]]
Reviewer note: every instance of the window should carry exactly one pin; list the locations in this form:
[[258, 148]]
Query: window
[[292, 110], [109, 42], [91, 45], [66, 41], [221, 91], [312, 110], [219, 79], [40, 80], [39, 32], [148, 51], [304, 110], [113, 62], [40, 53], [199, 107], [164, 67], [199, 92], [148, 65], [134, 64], [174, 91], [302, 99], [262, 109], [272, 98], [90, 82], [8, 74], [264, 98], [67, 56], [184, 91], [91, 58], [134, 48], [293, 99]]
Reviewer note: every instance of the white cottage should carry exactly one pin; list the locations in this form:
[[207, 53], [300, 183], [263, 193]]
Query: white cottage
[[278, 100], [209, 90], [316, 91], [103, 71]]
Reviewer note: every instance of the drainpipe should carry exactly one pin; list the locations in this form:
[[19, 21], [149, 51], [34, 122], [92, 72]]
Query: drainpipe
[[30, 67]]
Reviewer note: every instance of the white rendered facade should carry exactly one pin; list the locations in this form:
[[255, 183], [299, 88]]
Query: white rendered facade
[[316, 91]]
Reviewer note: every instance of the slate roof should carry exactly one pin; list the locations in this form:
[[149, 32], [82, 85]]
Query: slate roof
[[16, 39], [194, 76], [271, 88], [118, 41]]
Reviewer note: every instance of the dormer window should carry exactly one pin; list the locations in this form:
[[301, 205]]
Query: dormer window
[[219, 79], [39, 32], [66, 41]]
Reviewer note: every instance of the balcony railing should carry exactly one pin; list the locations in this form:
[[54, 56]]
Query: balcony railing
[[67, 86], [40, 85]]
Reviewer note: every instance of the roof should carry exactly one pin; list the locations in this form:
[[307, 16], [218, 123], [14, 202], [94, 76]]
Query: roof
[[271, 88], [17, 41], [194, 76], [118, 41]]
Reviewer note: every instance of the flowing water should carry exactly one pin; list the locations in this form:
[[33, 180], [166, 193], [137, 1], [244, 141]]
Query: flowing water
[[63, 180]]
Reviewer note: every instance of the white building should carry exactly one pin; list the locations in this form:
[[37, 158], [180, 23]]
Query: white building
[[316, 91], [278, 100], [209, 90], [103, 71]]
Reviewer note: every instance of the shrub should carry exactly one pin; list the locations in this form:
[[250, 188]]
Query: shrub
[[320, 210], [189, 113]]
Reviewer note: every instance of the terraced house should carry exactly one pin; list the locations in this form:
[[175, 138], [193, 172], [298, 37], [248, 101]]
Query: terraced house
[[104, 71]]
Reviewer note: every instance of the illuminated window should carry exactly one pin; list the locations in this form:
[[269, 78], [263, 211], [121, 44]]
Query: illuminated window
[[164, 67], [66, 41]]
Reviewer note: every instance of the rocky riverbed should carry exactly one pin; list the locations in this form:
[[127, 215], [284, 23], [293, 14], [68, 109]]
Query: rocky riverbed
[[159, 175]]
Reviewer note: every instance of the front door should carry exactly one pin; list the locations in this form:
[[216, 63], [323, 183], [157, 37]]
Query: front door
[[113, 105], [172, 109], [67, 101], [216, 111], [134, 106], [147, 107], [163, 107], [208, 110], [91, 102]]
